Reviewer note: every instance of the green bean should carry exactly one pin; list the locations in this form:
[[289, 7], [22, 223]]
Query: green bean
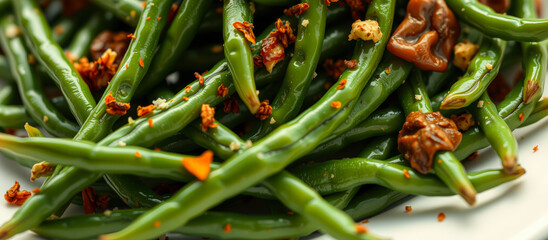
[[238, 53], [436, 81], [274, 152], [413, 97], [80, 45], [497, 132], [497, 25], [49, 54], [384, 148], [539, 112], [30, 89], [128, 11], [7, 94], [301, 69], [13, 116], [5, 72], [479, 74], [175, 42], [372, 201]]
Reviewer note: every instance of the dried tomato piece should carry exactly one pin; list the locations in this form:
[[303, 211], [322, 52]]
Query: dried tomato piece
[[296, 10], [142, 111], [247, 29], [117, 41], [427, 35], [114, 107], [207, 114], [499, 6], [231, 105], [272, 52], [284, 33], [15, 196], [222, 90], [88, 198], [423, 134], [264, 110]]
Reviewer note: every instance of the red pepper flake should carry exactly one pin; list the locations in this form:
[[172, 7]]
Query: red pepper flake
[[361, 229], [441, 216], [127, 66], [199, 77], [535, 149], [406, 173], [157, 224], [157, 149], [231, 105], [88, 198], [265, 110], [172, 12], [131, 36], [114, 107], [199, 166], [185, 99], [222, 91], [247, 29], [137, 154], [284, 33], [521, 117], [15, 196], [207, 114], [159, 18], [408, 209], [365, 221], [328, 2], [341, 84], [296, 10], [227, 228], [187, 88], [336, 104], [324, 174], [36, 190], [143, 4], [351, 64], [141, 63], [387, 70], [142, 111], [150, 122], [148, 18]]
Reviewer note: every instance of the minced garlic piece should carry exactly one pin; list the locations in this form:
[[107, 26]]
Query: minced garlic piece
[[248, 144], [234, 146], [160, 103], [365, 30], [122, 144], [272, 120], [130, 121], [480, 104], [305, 22], [12, 31], [464, 52], [418, 97]]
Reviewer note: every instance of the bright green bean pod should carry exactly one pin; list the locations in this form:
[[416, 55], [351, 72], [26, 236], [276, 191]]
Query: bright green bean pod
[[497, 132], [49, 54], [384, 148], [483, 68], [177, 39], [134, 66], [381, 122], [301, 70], [372, 201], [274, 152], [413, 97], [128, 11], [238, 53], [497, 25], [79, 47], [30, 89]]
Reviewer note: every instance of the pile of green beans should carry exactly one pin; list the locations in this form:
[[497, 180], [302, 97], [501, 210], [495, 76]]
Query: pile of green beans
[[326, 154]]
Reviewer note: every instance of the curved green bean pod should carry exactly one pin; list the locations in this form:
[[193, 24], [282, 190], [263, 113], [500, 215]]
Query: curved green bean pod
[[413, 97], [177, 39], [30, 89], [497, 25], [301, 69], [497, 133], [133, 68], [480, 73], [238, 53], [79, 47], [49, 54], [128, 11]]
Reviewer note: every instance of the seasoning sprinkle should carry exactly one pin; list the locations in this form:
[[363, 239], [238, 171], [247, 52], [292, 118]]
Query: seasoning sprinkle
[[141, 63], [535, 149], [137, 154], [441, 216], [150, 122], [336, 104], [406, 174]]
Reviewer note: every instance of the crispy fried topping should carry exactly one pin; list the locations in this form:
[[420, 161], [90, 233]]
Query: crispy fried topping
[[334, 69], [114, 107], [97, 74], [222, 91], [336, 104], [296, 10], [231, 105], [207, 115], [42, 169], [247, 29], [117, 41], [463, 121], [423, 134], [264, 110], [365, 30], [341, 84], [199, 77], [464, 52], [15, 196], [284, 33], [142, 111]]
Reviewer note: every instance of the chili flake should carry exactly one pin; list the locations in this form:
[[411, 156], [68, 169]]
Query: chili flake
[[150, 122], [535, 149], [265, 110], [406, 174], [247, 29], [199, 77], [207, 114], [157, 224], [159, 18], [351, 64], [36, 190], [336, 104], [296, 10], [199, 166], [148, 18], [231, 105], [45, 119], [142, 111], [341, 84], [521, 117], [187, 88], [141, 63], [258, 62], [103, 201], [114, 107], [361, 229], [284, 33], [222, 91], [137, 154], [387, 70], [408, 209], [473, 156], [98, 73], [441, 216], [88, 198], [131, 36], [227, 228], [15, 196], [185, 99]]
